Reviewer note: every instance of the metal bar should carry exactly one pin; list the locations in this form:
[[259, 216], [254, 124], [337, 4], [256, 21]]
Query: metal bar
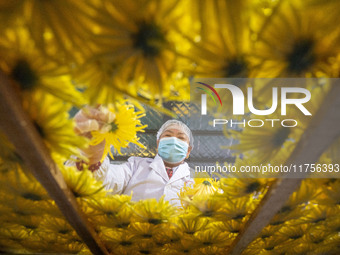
[[323, 130], [29, 145]]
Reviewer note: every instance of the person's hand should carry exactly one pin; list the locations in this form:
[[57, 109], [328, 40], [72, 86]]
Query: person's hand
[[90, 119]]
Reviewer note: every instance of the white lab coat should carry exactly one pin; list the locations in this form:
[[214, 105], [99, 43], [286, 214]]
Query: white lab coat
[[145, 178]]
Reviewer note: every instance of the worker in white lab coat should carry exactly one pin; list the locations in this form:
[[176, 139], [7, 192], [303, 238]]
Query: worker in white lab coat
[[165, 174]]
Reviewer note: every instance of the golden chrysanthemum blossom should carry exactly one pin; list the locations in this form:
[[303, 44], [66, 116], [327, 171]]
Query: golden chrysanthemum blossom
[[239, 187], [201, 186], [190, 224], [28, 223], [293, 232], [268, 231], [205, 205], [223, 45], [184, 246], [317, 214], [112, 211], [235, 185], [153, 211], [22, 195], [121, 131], [287, 215], [222, 49], [18, 206], [25, 188], [137, 47], [110, 205], [316, 237], [236, 209], [211, 250], [333, 224], [297, 42], [232, 226], [82, 183], [118, 239], [37, 245], [65, 25], [211, 237], [168, 235], [59, 228], [51, 119], [271, 245], [146, 248], [145, 231], [11, 237], [24, 63]]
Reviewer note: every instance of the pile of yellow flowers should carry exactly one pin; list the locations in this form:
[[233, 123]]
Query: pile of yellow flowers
[[64, 54], [211, 217]]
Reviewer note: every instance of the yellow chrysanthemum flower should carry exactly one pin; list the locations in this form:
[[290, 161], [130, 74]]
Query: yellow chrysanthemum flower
[[287, 215], [236, 209], [316, 237], [119, 239], [201, 186], [82, 183], [212, 237], [294, 232], [146, 248], [51, 119], [272, 244], [121, 131], [29, 224], [38, 245], [137, 48], [268, 231], [296, 41], [31, 70], [189, 224], [211, 250], [67, 25], [145, 231], [237, 185], [24, 185], [184, 246], [112, 211], [232, 226], [224, 44], [11, 237], [153, 211], [58, 227], [23, 195], [332, 243], [317, 214]]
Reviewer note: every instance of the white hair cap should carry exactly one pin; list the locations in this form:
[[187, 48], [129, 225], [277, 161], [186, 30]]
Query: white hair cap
[[170, 123]]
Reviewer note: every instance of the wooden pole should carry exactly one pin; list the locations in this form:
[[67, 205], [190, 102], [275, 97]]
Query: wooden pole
[[29, 145], [323, 130]]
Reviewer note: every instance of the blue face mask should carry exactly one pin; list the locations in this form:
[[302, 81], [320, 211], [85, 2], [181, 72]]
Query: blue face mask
[[172, 149]]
